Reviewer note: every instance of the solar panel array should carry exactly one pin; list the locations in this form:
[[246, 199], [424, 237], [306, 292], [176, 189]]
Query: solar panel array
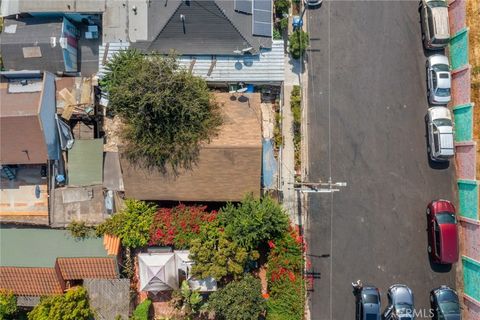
[[262, 18], [244, 6]]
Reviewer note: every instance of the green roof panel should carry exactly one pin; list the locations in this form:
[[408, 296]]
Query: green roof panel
[[85, 163], [35, 247]]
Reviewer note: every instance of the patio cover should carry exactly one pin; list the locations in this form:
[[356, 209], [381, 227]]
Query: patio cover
[[158, 272], [85, 163]]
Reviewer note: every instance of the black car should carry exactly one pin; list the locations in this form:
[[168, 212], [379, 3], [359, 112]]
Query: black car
[[444, 303], [368, 304]]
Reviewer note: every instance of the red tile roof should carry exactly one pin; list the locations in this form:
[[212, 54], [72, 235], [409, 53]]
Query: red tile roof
[[30, 281], [111, 244], [87, 268]]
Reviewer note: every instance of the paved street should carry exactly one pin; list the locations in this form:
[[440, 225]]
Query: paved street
[[366, 127]]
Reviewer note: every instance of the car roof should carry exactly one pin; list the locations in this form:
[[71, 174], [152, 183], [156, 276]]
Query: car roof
[[440, 113], [449, 242]]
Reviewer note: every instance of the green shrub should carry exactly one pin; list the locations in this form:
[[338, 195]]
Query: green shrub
[[281, 6], [8, 304], [254, 221], [238, 300], [73, 305], [298, 43], [80, 230], [216, 255], [131, 225], [142, 311], [284, 24], [277, 35]]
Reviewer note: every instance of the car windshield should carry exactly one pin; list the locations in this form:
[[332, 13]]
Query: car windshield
[[370, 298], [434, 4], [440, 67], [446, 217], [442, 122], [450, 307], [442, 92]]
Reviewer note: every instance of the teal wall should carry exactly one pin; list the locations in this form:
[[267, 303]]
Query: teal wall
[[468, 196], [471, 277], [463, 122]]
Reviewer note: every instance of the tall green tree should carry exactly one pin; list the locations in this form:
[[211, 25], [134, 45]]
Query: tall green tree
[[131, 225], [168, 112], [72, 305], [238, 300], [253, 221], [8, 304]]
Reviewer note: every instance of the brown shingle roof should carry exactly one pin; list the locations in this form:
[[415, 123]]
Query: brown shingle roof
[[87, 268], [226, 169], [30, 281]]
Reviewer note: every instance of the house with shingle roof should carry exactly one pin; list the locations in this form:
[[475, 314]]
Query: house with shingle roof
[[227, 168], [40, 262]]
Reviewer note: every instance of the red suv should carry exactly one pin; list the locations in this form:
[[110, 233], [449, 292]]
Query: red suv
[[442, 232]]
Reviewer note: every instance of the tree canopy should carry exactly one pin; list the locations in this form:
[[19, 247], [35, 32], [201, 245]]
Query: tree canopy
[[238, 300], [131, 225], [73, 305], [216, 255], [8, 304], [254, 220], [167, 111]]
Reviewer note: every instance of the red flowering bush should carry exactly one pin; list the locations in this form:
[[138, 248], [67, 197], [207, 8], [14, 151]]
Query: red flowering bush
[[285, 280], [179, 225]]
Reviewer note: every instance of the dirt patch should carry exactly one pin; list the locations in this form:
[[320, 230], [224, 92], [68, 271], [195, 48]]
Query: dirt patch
[[473, 22]]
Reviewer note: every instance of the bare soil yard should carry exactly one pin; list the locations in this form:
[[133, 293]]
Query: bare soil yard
[[473, 22]]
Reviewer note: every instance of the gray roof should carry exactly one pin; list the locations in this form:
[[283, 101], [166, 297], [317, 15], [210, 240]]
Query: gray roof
[[209, 28], [109, 297], [32, 37]]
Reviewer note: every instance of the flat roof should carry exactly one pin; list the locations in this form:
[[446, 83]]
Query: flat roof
[[35, 247], [16, 103]]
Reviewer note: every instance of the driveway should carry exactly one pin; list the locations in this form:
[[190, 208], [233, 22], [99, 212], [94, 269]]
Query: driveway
[[366, 127]]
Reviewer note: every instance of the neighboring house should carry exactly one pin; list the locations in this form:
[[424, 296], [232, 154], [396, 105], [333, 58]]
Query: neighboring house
[[30, 147], [42, 262], [39, 43], [227, 168]]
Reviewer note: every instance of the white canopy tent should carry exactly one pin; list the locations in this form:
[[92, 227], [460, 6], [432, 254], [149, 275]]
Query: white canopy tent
[[160, 272]]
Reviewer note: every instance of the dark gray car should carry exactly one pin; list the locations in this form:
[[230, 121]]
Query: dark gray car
[[444, 303], [400, 303], [368, 304]]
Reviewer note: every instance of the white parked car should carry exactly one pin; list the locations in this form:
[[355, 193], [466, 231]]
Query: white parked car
[[440, 134], [439, 79]]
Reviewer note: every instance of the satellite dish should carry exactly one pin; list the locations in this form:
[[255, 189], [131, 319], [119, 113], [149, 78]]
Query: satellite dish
[[241, 90], [247, 49]]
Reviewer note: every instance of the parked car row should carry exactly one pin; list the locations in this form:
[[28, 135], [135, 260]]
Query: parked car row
[[435, 36], [444, 304]]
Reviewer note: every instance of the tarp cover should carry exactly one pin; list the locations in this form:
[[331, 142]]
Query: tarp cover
[[158, 272]]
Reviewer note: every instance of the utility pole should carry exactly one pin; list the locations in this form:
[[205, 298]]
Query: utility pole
[[318, 187]]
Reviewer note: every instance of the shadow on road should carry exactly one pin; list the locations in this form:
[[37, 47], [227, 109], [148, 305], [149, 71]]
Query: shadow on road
[[440, 268]]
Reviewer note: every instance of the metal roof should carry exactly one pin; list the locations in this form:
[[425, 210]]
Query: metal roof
[[34, 247], [85, 163], [266, 67]]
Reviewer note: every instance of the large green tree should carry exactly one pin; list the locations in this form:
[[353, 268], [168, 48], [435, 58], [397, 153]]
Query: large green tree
[[131, 225], [73, 305], [254, 220], [168, 112], [238, 300]]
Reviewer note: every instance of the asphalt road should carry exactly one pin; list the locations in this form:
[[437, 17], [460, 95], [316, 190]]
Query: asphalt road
[[366, 127]]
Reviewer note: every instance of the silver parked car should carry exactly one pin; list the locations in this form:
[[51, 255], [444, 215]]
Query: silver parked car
[[439, 81], [440, 134], [400, 303], [435, 25]]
